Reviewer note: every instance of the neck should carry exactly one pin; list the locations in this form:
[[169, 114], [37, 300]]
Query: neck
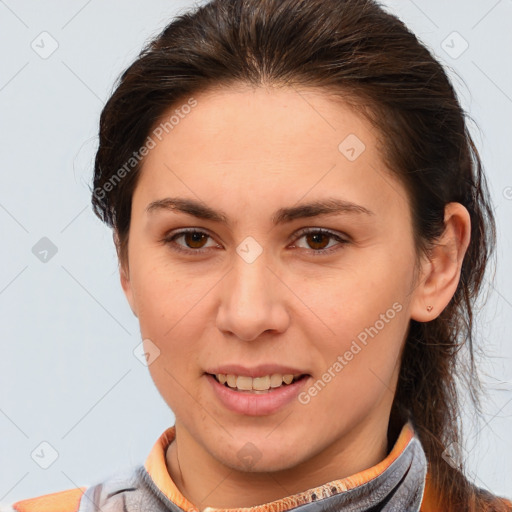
[[205, 481]]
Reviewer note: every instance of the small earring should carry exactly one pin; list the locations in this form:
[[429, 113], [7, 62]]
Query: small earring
[[429, 308]]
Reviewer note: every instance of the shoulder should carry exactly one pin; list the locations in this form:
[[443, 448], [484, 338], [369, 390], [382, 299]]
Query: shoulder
[[488, 502], [63, 501], [495, 503], [80, 499]]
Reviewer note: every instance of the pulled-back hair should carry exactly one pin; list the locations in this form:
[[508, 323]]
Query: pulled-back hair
[[354, 50]]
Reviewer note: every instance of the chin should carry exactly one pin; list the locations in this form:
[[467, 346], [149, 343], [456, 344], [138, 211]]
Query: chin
[[259, 457], [263, 465]]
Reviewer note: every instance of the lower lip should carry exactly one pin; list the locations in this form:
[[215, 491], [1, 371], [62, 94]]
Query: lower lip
[[252, 404]]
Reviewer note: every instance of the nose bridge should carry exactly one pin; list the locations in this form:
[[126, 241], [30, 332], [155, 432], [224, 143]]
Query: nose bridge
[[250, 304], [249, 282]]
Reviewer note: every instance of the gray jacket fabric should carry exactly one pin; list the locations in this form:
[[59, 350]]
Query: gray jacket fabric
[[399, 488]]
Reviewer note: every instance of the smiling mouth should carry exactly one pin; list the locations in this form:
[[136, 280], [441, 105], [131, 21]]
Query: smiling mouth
[[257, 385]]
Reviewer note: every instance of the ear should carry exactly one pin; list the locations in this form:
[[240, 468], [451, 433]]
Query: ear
[[127, 288], [124, 275], [440, 272]]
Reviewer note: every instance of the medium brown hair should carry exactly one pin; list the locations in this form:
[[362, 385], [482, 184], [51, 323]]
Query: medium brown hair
[[353, 49]]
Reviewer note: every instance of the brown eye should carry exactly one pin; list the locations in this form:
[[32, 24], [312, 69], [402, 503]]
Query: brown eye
[[318, 240], [194, 239]]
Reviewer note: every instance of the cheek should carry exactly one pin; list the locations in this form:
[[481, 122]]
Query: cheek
[[367, 309], [359, 297], [358, 370], [171, 318], [161, 296], [171, 315]]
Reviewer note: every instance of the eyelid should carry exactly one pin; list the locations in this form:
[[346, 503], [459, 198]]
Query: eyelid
[[325, 231], [341, 238], [169, 238]]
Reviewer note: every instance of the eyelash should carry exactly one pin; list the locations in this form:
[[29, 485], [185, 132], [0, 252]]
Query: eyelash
[[170, 239]]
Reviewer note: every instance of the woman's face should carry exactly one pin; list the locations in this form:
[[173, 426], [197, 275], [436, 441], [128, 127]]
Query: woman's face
[[252, 291]]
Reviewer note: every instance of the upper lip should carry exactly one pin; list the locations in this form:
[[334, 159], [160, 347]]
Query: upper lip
[[256, 371]]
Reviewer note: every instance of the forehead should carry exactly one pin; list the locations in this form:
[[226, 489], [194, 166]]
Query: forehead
[[261, 122], [256, 141]]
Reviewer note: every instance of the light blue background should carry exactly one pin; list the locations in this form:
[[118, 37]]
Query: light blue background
[[68, 373]]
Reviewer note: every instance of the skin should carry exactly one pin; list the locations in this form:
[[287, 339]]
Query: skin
[[250, 152]]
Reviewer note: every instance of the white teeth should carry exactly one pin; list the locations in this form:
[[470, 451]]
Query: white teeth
[[276, 380], [287, 379], [244, 383], [261, 383]]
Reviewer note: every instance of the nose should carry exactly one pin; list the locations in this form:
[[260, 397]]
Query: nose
[[253, 301]]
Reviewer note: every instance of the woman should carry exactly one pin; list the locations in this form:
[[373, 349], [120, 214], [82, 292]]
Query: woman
[[303, 226]]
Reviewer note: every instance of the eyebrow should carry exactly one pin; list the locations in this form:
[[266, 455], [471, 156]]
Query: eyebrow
[[327, 206]]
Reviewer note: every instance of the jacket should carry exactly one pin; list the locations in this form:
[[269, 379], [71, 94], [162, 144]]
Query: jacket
[[399, 483]]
